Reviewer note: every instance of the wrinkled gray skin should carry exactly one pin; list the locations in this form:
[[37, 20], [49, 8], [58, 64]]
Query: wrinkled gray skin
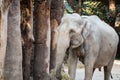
[[90, 40]]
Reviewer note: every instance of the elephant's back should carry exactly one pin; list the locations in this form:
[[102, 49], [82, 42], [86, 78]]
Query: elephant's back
[[107, 46], [108, 34], [103, 28], [107, 40]]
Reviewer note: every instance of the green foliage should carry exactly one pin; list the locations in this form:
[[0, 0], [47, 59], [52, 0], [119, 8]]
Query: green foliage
[[118, 8], [118, 30], [68, 8], [91, 8], [94, 8], [97, 8]]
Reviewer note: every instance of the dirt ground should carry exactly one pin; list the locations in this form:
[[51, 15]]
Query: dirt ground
[[99, 75]]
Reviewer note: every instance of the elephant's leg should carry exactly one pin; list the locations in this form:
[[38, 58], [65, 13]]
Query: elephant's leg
[[108, 68], [88, 71], [72, 64], [107, 71], [94, 70], [89, 63], [90, 56]]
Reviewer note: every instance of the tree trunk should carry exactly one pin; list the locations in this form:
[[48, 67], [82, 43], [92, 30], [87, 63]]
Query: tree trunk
[[13, 60], [79, 9], [4, 5], [27, 35], [56, 14], [42, 39]]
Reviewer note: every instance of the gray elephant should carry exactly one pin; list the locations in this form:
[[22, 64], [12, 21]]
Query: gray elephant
[[90, 40]]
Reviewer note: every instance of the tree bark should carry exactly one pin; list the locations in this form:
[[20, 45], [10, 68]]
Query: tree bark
[[79, 9], [56, 13], [42, 39], [13, 60], [27, 36], [4, 5]]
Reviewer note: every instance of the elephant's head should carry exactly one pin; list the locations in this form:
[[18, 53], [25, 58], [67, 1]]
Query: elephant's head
[[73, 30]]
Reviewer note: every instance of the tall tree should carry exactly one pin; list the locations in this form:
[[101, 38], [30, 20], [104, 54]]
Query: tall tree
[[56, 13], [4, 5], [27, 35], [79, 9], [13, 60], [42, 39]]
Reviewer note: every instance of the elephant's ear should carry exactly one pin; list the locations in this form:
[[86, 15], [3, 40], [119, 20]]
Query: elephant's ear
[[86, 30]]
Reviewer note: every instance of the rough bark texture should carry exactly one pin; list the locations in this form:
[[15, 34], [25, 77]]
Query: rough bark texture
[[79, 9], [56, 13], [4, 5], [13, 60], [42, 40], [27, 36]]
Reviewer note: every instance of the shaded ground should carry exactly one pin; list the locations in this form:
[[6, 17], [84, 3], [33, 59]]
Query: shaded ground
[[100, 75]]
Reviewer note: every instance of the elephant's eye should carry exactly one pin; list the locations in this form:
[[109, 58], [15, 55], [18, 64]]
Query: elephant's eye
[[72, 31]]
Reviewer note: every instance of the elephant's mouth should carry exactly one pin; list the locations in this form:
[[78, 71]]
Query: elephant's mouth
[[75, 44]]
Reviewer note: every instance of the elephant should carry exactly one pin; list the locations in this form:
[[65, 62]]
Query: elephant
[[88, 39]]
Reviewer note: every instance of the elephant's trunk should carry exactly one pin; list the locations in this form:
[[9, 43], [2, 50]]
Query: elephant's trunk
[[62, 45], [60, 56]]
